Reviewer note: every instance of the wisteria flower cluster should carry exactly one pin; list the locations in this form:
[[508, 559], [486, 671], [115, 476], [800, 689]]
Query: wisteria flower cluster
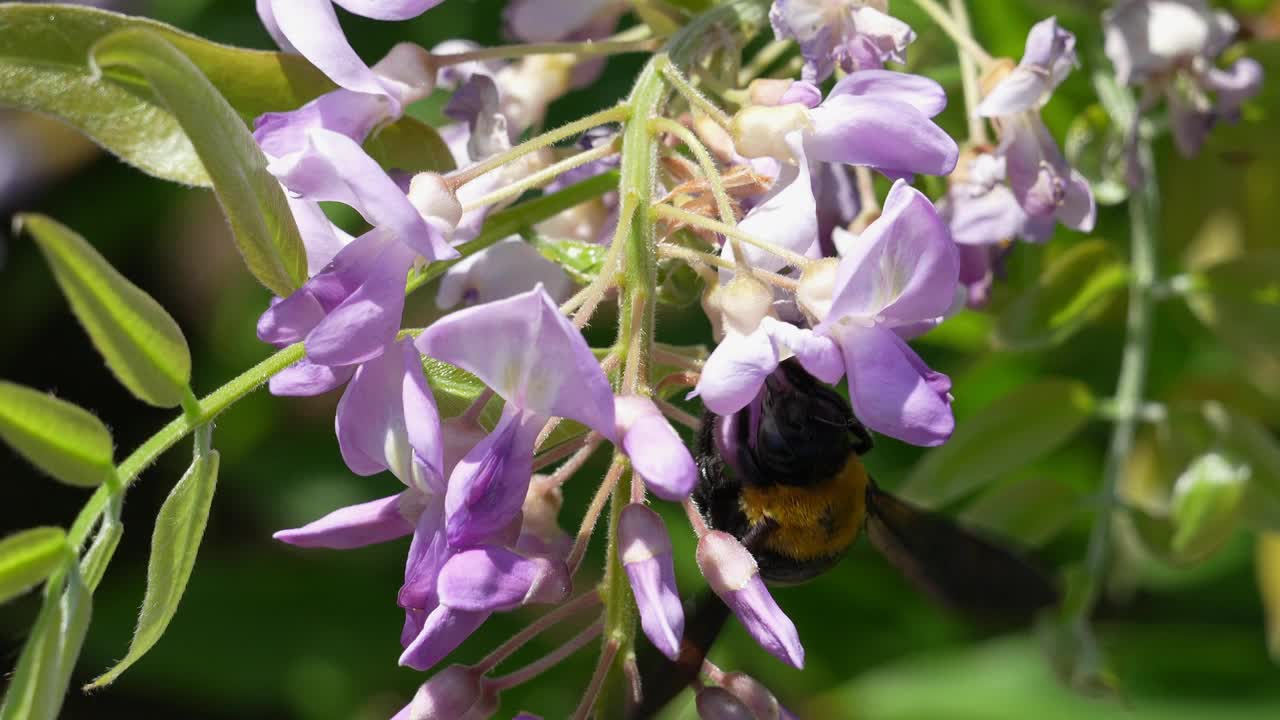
[[794, 188]]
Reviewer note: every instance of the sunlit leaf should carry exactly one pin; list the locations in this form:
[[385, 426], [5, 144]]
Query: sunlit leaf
[[28, 557], [1268, 560], [141, 343], [44, 66], [56, 436], [260, 219], [174, 545], [44, 669], [582, 260], [1074, 289], [1239, 300], [1031, 511], [411, 146], [1013, 431]]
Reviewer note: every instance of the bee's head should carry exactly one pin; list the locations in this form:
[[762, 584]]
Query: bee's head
[[797, 431]]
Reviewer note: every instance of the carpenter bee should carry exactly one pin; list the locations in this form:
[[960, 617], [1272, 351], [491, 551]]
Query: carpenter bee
[[785, 476]]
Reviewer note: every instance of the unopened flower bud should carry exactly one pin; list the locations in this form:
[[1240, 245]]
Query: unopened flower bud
[[456, 693], [760, 131], [1207, 500], [733, 574], [744, 302], [433, 198], [768, 91], [817, 288], [997, 72], [753, 694], [716, 703], [645, 549], [657, 453], [540, 532], [410, 66], [715, 137]]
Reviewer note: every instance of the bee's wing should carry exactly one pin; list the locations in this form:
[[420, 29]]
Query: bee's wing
[[955, 566]]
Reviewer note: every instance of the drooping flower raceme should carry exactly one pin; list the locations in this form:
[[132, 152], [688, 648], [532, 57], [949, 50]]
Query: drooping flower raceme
[[848, 34], [1170, 48]]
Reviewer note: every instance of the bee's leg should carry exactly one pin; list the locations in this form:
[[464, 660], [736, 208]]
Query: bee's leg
[[862, 443]]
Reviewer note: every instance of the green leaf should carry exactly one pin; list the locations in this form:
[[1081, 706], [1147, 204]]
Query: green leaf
[[56, 436], [1207, 500], [174, 545], [255, 206], [1013, 431], [1268, 561], [1074, 289], [1256, 445], [141, 343], [44, 66], [409, 145], [582, 260], [1030, 510], [1239, 300], [44, 669], [28, 557]]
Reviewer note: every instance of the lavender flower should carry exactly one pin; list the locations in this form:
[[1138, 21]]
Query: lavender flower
[[645, 550], [457, 692], [1046, 188], [506, 268], [894, 281], [733, 574], [1169, 47], [849, 34]]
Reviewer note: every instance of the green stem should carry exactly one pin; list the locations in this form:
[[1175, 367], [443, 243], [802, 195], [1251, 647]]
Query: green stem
[[542, 177], [969, 79], [1130, 386], [949, 25], [467, 174], [635, 311]]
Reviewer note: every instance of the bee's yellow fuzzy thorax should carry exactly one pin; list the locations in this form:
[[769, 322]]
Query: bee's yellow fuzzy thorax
[[813, 521]]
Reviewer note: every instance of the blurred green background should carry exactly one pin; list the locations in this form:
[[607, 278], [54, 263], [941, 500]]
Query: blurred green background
[[268, 631]]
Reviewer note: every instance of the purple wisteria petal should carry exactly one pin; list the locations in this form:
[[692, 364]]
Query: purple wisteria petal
[[657, 453], [903, 267], [388, 9], [786, 217], [920, 92], [306, 379], [363, 324], [289, 320], [538, 21], [457, 692], [444, 629], [645, 550], [1039, 175], [982, 216], [1145, 38], [835, 33], [530, 354], [733, 574], [354, 526], [322, 239], [884, 133], [312, 28], [716, 703], [806, 94], [353, 114], [387, 420], [428, 552], [488, 486], [892, 391], [1239, 82], [492, 578], [1049, 57], [818, 354], [273, 28], [335, 168], [506, 268], [735, 371]]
